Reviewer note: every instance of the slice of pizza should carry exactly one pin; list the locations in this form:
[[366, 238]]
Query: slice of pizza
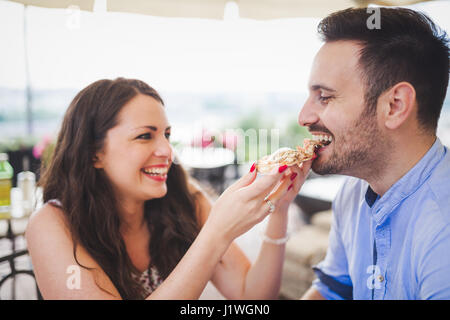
[[288, 156]]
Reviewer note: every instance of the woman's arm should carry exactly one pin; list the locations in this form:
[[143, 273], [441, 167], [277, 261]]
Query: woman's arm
[[230, 216], [59, 276], [235, 276]]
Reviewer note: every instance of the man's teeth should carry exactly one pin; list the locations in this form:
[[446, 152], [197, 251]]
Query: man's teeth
[[156, 171], [322, 138]]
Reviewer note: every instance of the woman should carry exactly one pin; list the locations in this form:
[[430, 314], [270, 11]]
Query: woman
[[122, 221]]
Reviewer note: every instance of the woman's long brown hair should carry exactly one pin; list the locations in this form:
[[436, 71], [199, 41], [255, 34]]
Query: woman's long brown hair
[[86, 194]]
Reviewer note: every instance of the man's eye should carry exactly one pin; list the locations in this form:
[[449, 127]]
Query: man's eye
[[167, 135], [145, 136], [325, 99]]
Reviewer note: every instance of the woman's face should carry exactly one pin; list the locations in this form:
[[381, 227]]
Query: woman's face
[[137, 154]]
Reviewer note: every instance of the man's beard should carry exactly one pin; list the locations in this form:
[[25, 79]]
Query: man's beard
[[356, 151]]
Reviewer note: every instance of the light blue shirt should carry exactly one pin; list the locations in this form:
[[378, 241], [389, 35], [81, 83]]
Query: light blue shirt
[[396, 246]]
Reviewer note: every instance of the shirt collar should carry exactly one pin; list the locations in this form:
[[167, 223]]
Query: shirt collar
[[371, 196], [406, 185]]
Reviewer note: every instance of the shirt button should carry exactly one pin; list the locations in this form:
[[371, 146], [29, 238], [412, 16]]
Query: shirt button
[[380, 278]]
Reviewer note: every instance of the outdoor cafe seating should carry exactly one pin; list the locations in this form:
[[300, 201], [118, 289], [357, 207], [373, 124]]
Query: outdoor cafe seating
[[15, 263]]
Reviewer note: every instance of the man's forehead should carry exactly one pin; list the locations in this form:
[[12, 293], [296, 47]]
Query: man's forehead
[[335, 64]]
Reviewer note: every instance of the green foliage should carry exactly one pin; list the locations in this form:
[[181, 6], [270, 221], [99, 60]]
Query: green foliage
[[293, 135], [15, 144], [255, 122], [290, 135]]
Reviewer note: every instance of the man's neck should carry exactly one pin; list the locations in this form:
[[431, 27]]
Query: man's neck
[[402, 159]]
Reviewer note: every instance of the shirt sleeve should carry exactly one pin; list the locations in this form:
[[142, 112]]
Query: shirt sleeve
[[434, 269], [333, 281]]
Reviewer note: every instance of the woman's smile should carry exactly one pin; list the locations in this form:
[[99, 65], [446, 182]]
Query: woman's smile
[[156, 172]]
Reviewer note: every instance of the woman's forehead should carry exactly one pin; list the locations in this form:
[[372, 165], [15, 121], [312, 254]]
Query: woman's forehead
[[142, 111]]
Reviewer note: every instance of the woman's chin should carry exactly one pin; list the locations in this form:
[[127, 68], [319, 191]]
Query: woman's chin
[[155, 194]]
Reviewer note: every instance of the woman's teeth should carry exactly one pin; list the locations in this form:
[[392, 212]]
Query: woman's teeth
[[156, 171]]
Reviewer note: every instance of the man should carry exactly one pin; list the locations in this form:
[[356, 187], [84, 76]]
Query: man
[[377, 95]]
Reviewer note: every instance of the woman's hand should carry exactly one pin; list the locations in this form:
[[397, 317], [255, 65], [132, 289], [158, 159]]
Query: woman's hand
[[242, 205], [295, 176]]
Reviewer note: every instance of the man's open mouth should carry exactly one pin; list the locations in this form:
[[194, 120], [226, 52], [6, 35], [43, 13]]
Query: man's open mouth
[[324, 139]]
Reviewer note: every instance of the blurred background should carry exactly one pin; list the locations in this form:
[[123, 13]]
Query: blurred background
[[225, 69]]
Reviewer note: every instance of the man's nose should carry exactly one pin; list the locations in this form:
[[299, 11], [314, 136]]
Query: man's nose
[[307, 115]]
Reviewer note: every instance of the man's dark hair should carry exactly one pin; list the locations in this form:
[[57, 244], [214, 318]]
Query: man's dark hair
[[407, 47]]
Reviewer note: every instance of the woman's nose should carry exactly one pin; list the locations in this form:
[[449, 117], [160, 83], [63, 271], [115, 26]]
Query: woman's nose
[[163, 149]]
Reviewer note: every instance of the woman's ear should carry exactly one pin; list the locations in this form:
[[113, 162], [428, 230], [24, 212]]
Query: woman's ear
[[98, 163], [398, 104]]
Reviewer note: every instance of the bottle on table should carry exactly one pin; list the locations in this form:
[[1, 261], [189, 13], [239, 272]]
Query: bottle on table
[[26, 182], [6, 175]]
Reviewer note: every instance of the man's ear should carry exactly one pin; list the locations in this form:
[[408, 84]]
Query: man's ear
[[397, 105]]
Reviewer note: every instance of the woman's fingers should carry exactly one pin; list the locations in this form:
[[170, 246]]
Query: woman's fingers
[[245, 180], [242, 205], [290, 185], [305, 167], [299, 174], [265, 183], [281, 190], [302, 172]]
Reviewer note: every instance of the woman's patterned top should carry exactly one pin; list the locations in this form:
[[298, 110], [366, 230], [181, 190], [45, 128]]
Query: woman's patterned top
[[150, 280]]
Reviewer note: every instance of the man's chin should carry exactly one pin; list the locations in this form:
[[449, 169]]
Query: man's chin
[[322, 168], [320, 171]]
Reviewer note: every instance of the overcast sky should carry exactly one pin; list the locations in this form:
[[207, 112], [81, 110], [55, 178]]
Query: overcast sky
[[70, 49]]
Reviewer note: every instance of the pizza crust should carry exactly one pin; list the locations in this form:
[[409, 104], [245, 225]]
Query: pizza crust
[[288, 156]]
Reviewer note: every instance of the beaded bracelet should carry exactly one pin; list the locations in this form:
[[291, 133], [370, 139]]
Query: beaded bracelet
[[274, 241]]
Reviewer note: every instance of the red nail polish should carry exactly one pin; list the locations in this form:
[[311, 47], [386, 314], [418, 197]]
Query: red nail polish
[[293, 176], [290, 187], [253, 167], [282, 168]]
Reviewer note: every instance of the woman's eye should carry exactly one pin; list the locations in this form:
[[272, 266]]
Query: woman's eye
[[145, 136]]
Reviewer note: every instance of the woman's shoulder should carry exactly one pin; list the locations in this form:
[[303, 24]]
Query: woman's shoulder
[[49, 216], [51, 247], [48, 226]]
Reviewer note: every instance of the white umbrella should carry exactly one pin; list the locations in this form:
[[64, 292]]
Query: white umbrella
[[87, 5], [214, 9]]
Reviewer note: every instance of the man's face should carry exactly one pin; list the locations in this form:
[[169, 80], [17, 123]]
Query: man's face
[[335, 107]]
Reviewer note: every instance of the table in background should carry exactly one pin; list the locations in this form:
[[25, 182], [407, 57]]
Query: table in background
[[207, 164], [317, 194]]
